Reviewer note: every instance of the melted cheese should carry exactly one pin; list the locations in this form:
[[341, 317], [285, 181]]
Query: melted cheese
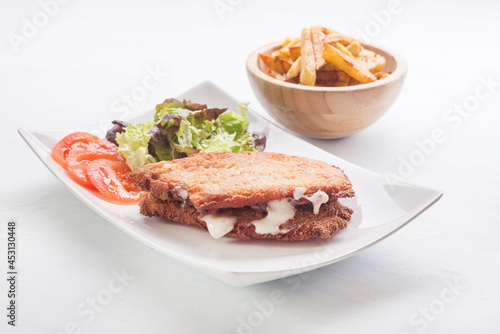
[[219, 225], [316, 199], [182, 193], [278, 212]]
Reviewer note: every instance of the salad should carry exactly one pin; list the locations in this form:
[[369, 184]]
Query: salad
[[181, 129], [178, 130]]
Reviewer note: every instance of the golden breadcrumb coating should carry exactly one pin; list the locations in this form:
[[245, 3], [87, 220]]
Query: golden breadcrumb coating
[[212, 181]]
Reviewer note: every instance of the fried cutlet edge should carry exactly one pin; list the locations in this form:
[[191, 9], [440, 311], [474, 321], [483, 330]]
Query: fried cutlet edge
[[332, 217]]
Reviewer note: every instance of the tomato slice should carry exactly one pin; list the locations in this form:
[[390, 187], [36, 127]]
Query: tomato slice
[[112, 180], [79, 158], [85, 140], [96, 164]]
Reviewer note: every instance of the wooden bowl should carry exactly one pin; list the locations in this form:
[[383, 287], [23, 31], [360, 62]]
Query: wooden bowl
[[326, 112]]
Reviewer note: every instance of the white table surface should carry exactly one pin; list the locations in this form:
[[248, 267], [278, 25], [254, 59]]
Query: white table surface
[[439, 274]]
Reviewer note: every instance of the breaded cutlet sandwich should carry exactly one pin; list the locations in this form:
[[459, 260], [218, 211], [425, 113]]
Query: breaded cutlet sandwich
[[248, 195]]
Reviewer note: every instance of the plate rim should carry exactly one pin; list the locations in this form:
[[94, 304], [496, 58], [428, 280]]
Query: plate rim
[[27, 133]]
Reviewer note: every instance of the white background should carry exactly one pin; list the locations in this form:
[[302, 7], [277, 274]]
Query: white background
[[78, 64]]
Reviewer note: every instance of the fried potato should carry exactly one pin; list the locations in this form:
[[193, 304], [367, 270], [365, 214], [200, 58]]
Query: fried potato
[[294, 80], [333, 36], [351, 66], [371, 60], [332, 78], [271, 73], [381, 75], [271, 63], [284, 52], [286, 65], [294, 52], [294, 70], [287, 40], [307, 61], [332, 39], [325, 57], [326, 78], [354, 48], [328, 66], [276, 75], [343, 79], [344, 50], [278, 65], [353, 82], [318, 46], [280, 77]]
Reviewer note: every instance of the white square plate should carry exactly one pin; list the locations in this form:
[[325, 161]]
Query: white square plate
[[380, 209]]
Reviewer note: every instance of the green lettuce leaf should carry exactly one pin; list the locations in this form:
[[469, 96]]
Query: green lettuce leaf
[[232, 122], [170, 107], [133, 144], [163, 137], [225, 141]]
